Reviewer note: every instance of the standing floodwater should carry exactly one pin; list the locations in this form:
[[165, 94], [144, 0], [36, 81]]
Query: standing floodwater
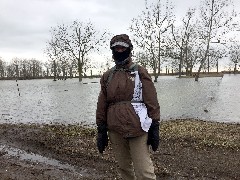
[[226, 106], [46, 101]]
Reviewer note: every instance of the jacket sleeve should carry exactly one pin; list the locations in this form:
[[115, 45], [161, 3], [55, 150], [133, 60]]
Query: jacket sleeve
[[101, 112], [149, 95]]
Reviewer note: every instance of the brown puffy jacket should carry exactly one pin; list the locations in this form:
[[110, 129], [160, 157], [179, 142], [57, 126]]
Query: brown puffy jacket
[[114, 101]]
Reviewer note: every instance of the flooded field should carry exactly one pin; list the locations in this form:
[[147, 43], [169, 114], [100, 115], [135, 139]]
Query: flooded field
[[69, 102]]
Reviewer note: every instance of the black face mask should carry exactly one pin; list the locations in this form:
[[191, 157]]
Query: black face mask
[[119, 57]]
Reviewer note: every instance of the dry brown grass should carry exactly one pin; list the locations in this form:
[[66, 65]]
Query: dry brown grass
[[203, 133]]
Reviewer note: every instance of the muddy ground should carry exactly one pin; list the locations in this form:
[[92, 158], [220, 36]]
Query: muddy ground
[[189, 149]]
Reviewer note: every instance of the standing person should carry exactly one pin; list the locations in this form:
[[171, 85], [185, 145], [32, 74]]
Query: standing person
[[128, 112]]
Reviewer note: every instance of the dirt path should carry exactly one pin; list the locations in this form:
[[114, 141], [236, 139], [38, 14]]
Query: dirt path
[[69, 152]]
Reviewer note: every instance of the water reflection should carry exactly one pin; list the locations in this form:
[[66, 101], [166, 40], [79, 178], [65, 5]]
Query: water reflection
[[186, 98], [46, 101], [23, 155], [227, 103]]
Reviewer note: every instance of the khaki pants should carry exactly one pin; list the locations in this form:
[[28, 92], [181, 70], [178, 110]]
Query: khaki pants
[[133, 157]]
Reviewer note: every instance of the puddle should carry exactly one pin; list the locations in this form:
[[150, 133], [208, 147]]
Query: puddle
[[23, 155]]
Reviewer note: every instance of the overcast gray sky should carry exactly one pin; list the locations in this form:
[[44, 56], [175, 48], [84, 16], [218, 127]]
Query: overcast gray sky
[[25, 24]]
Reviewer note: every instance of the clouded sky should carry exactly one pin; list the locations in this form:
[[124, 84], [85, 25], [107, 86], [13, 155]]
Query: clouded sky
[[25, 24]]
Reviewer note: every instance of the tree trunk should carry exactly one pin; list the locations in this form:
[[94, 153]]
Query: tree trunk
[[79, 70], [155, 72], [159, 57], [208, 43], [155, 69], [181, 61], [55, 70]]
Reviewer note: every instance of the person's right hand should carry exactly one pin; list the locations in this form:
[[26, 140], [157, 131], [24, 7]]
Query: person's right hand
[[102, 137]]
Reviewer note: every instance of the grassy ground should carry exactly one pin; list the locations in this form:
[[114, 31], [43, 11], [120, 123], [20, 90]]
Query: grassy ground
[[203, 133], [189, 149]]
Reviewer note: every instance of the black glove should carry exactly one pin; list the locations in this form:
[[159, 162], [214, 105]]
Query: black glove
[[102, 137], [153, 135]]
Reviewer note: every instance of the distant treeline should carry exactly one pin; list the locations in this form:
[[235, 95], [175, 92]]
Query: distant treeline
[[35, 69]]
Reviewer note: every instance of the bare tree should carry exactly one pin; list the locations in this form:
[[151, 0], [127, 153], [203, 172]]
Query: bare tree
[[147, 30], [106, 65], [78, 40], [215, 20], [185, 39], [54, 50], [235, 55], [3, 66], [25, 68], [142, 59]]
